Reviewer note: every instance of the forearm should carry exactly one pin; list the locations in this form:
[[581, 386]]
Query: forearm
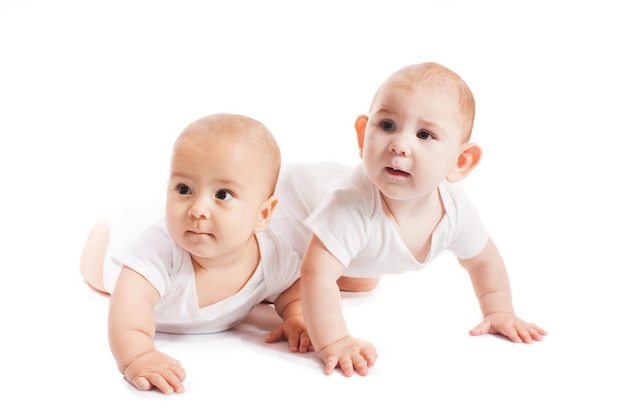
[[288, 303], [131, 329], [321, 304], [496, 301], [492, 288], [128, 344], [490, 281], [321, 298], [293, 309]]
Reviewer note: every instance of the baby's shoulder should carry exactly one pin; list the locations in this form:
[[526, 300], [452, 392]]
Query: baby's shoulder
[[355, 193], [274, 248], [280, 262], [453, 193]]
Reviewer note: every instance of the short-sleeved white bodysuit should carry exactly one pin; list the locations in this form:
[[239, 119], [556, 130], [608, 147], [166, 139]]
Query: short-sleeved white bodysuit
[[168, 267], [344, 209]]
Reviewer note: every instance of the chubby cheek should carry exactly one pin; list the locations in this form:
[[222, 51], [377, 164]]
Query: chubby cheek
[[370, 156], [175, 208], [175, 214]]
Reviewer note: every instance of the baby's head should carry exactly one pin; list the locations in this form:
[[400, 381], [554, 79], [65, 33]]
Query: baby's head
[[247, 136], [434, 77], [418, 132], [223, 172]]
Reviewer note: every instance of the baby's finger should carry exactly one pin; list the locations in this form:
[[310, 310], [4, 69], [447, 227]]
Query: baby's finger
[[481, 328], [178, 370], [174, 380], [347, 365], [168, 382], [524, 335], [295, 341], [276, 335], [156, 380], [331, 363], [141, 383], [360, 364], [538, 330], [369, 354], [305, 342], [537, 333], [511, 332]]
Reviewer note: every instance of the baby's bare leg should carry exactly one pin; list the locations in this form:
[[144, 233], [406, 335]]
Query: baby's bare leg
[[357, 284], [92, 258]]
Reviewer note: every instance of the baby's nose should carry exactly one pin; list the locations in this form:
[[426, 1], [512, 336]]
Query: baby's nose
[[399, 145], [199, 209]]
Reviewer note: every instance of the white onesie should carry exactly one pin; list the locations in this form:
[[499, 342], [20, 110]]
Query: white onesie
[[342, 207], [169, 269]]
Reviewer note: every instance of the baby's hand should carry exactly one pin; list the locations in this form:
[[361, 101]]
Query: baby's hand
[[349, 353], [510, 326], [294, 331], [156, 369]]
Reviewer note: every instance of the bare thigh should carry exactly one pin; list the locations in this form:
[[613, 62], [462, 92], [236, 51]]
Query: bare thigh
[[357, 284], [92, 257]]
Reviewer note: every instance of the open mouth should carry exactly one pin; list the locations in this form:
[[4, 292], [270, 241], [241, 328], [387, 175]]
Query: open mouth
[[397, 172]]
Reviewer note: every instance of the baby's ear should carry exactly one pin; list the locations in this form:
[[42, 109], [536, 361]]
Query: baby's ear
[[469, 156], [265, 214], [359, 125]]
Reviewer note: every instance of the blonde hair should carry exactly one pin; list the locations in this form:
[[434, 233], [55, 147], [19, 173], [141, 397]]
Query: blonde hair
[[436, 76], [241, 131]]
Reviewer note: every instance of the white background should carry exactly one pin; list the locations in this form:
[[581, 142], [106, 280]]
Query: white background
[[93, 94]]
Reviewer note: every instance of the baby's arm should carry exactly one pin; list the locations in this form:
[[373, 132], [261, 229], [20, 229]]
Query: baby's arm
[[288, 305], [492, 288], [131, 333], [321, 302]]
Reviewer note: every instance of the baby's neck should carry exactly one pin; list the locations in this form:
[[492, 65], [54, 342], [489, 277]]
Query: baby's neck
[[406, 210], [218, 279], [416, 221]]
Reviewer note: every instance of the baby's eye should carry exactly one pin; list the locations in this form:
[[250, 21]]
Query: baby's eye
[[387, 125], [424, 135], [183, 189], [223, 195]]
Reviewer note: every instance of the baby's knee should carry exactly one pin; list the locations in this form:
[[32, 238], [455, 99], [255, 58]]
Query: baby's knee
[[357, 284], [92, 257]]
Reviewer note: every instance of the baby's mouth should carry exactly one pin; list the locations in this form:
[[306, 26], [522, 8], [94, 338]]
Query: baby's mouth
[[397, 172], [200, 233]]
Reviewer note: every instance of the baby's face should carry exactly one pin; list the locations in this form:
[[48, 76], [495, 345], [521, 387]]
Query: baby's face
[[412, 140], [214, 197]]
